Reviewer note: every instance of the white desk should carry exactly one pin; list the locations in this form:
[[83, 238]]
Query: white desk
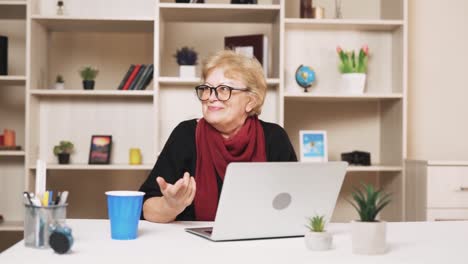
[[416, 242]]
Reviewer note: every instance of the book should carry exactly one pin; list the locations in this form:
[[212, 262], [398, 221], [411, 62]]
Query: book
[[124, 80], [131, 77], [3, 55], [148, 77], [142, 80], [137, 77], [250, 46]]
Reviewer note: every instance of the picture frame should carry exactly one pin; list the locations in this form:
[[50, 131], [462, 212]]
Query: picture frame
[[100, 149], [313, 146]]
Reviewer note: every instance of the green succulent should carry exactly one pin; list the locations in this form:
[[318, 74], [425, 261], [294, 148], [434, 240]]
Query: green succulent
[[63, 147], [317, 223], [186, 56], [369, 202], [59, 79], [89, 73]]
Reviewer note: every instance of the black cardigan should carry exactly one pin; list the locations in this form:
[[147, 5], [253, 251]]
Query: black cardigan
[[179, 155]]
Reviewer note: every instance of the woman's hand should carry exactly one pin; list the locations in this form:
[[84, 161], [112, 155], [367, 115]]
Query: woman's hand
[[180, 194]]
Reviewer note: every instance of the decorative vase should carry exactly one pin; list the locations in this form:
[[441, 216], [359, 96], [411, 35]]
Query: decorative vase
[[318, 241], [88, 84], [59, 86], [187, 71], [63, 158], [368, 238], [353, 83]]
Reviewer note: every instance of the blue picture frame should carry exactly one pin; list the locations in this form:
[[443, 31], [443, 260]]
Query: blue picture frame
[[313, 145]]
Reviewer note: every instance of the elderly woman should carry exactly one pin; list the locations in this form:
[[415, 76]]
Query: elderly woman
[[186, 181]]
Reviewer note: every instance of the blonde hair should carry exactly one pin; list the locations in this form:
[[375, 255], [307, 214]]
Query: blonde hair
[[240, 67]]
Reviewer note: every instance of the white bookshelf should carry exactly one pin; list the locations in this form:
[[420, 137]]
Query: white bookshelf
[[11, 153], [111, 39]]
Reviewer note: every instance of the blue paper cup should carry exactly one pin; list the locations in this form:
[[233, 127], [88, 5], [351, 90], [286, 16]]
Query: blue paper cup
[[124, 208]]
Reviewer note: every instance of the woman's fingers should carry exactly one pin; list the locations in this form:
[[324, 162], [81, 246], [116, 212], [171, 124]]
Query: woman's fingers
[[193, 190], [162, 184]]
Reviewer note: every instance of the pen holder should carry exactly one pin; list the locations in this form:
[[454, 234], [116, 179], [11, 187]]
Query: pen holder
[[40, 221]]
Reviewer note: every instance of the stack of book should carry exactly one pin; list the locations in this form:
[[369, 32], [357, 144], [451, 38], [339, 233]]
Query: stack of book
[[138, 76]]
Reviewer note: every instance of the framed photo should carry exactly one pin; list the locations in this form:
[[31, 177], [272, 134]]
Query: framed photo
[[100, 150], [313, 145]]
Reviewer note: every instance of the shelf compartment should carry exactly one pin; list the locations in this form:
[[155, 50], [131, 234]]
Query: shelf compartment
[[195, 81], [172, 12], [343, 24], [89, 24], [12, 226], [341, 97], [12, 9], [91, 93], [110, 167]]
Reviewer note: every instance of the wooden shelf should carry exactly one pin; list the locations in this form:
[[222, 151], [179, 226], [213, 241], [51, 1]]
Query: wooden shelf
[[93, 93], [343, 24], [11, 153], [341, 97], [12, 9], [89, 24], [374, 168], [12, 226], [12, 80], [196, 80], [231, 13], [144, 167]]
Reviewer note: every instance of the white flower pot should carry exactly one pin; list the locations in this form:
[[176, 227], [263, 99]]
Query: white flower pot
[[59, 86], [368, 238], [353, 83], [187, 71], [318, 241]]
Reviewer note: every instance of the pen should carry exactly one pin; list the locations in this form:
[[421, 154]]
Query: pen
[[51, 198], [45, 199], [28, 198]]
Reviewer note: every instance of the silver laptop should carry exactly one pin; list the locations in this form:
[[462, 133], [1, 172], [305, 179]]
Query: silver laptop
[[273, 199]]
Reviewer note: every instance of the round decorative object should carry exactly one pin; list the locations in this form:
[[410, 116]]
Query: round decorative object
[[305, 76]]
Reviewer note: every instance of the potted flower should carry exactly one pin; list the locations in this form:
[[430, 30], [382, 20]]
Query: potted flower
[[63, 151], [353, 69], [59, 83], [88, 74], [187, 59], [368, 235], [317, 238]]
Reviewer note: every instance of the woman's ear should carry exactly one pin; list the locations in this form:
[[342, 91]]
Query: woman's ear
[[251, 104]]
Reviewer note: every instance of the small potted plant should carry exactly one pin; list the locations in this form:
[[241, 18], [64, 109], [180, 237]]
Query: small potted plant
[[368, 235], [59, 83], [353, 69], [187, 59], [63, 151], [317, 238], [88, 74]]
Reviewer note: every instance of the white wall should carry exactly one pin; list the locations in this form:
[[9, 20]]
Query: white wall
[[438, 90]]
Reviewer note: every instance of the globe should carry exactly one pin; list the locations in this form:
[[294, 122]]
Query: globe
[[305, 76]]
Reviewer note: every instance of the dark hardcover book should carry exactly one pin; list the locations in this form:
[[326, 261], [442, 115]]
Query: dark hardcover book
[[3, 55], [141, 81], [124, 80], [131, 77], [251, 46], [137, 77], [149, 77]]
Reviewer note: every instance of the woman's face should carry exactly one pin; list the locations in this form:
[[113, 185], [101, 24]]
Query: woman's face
[[229, 115]]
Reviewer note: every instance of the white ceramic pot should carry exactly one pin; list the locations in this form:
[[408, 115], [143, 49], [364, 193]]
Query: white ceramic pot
[[368, 238], [353, 83], [318, 240], [59, 86], [187, 71]]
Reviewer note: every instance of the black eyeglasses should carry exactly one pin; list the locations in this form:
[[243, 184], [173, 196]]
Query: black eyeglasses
[[222, 92]]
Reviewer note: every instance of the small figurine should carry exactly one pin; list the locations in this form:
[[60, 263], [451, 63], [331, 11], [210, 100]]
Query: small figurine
[[60, 8]]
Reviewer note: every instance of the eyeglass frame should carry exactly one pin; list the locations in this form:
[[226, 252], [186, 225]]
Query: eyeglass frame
[[246, 89]]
